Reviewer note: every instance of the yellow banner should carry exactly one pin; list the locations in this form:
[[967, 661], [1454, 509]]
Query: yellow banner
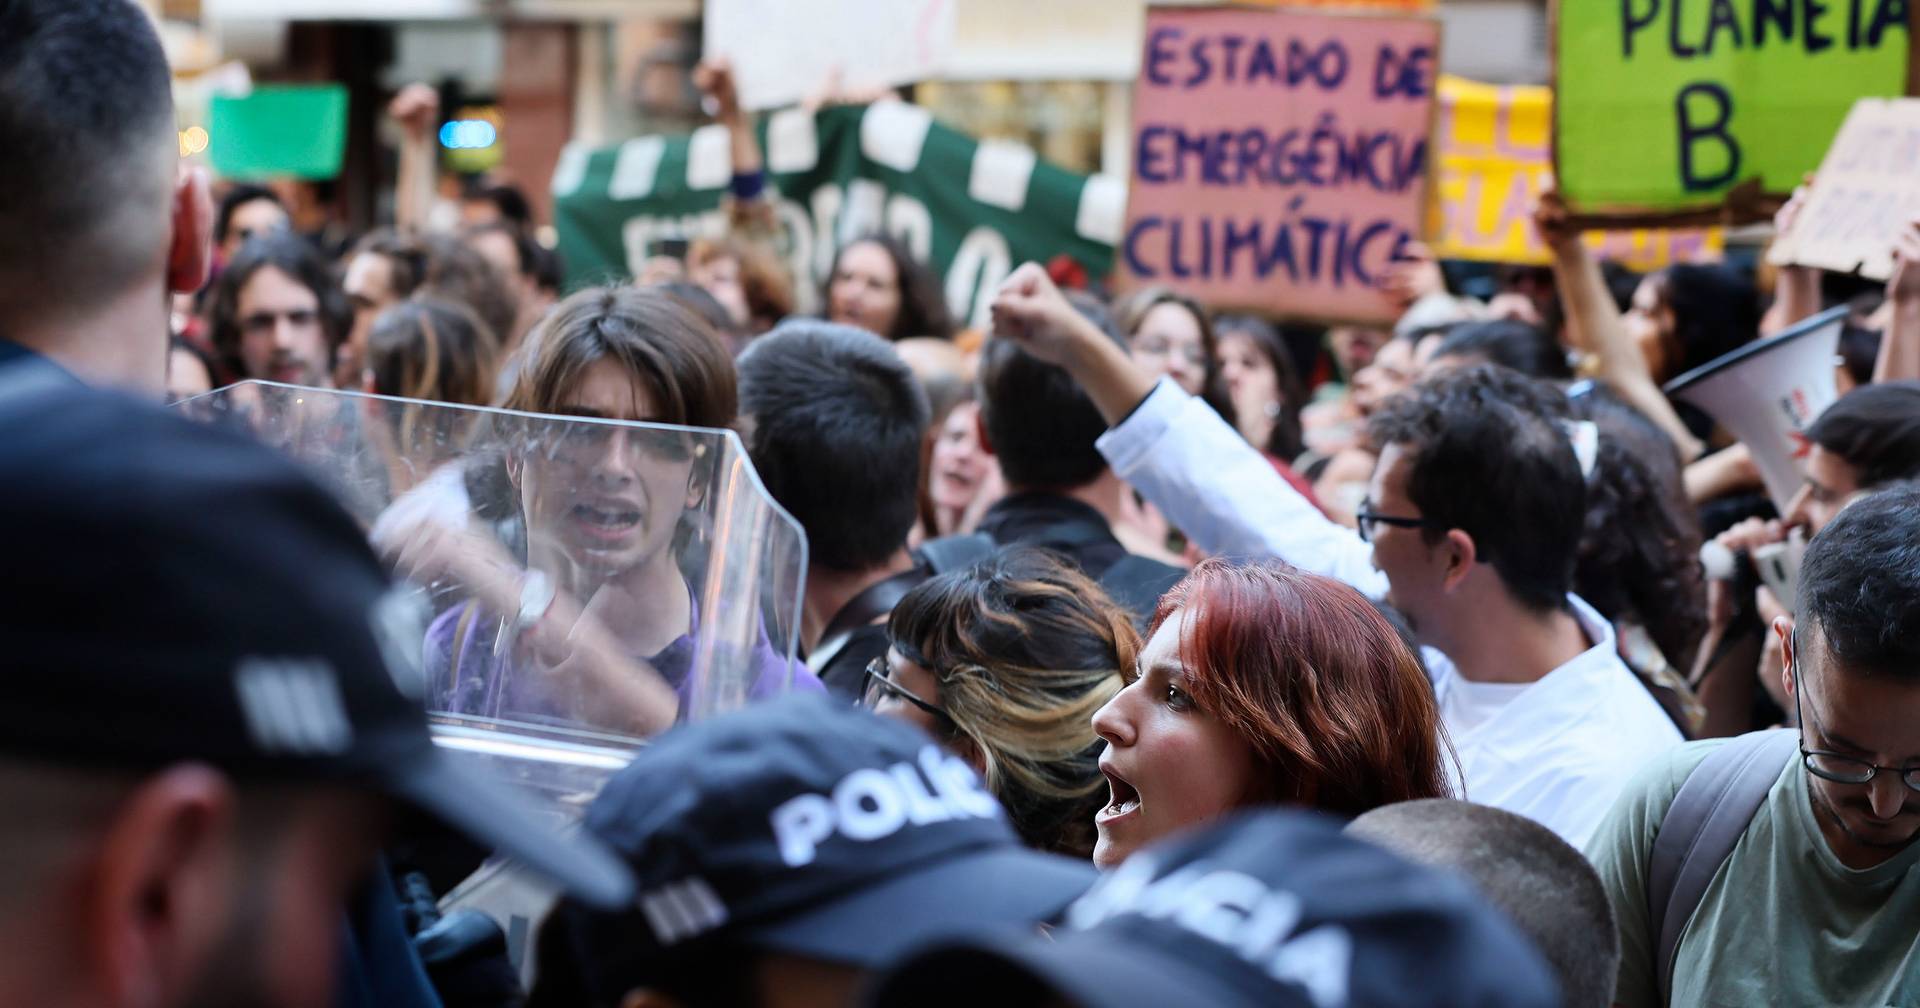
[[1495, 152]]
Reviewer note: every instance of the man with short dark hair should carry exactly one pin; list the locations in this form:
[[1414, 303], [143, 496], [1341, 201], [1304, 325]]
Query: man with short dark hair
[[247, 211], [1779, 866], [1474, 516], [833, 424], [101, 222], [1040, 427], [783, 852], [1542, 883], [213, 716]]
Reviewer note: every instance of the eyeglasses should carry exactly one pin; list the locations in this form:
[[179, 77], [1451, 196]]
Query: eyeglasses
[[1835, 767], [880, 687], [1366, 517]]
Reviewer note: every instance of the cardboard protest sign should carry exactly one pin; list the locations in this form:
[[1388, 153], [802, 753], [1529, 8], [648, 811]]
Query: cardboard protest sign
[[284, 130], [1493, 156], [1868, 189], [1280, 157], [1674, 106], [784, 51]]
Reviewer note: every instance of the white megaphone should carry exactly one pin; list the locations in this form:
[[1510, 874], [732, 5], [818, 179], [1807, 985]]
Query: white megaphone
[[1767, 392]]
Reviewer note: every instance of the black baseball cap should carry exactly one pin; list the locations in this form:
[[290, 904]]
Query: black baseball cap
[[806, 826], [1271, 908], [185, 593]]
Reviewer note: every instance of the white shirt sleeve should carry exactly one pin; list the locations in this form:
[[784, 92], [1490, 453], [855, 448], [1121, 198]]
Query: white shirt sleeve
[[1225, 495]]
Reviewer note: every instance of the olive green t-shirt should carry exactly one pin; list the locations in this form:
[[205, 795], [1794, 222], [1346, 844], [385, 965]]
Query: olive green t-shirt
[[1782, 923]]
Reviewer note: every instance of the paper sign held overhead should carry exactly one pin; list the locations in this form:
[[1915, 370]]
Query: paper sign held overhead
[[1868, 189], [785, 51], [1494, 154], [1279, 157], [1672, 107]]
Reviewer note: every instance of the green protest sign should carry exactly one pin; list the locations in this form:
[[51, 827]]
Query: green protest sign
[[1668, 106], [282, 130], [972, 209]]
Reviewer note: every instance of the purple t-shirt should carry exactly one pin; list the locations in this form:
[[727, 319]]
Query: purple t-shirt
[[486, 681]]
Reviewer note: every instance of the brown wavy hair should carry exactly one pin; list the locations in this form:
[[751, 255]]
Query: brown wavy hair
[[1331, 699], [1025, 648]]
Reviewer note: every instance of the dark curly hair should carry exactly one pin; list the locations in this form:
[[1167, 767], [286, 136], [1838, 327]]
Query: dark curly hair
[[297, 258], [1639, 557], [923, 306]]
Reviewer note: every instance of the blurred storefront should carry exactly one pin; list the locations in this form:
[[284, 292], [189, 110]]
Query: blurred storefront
[[519, 79]]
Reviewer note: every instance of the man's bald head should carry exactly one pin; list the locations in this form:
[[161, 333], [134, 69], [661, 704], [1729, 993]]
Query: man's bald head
[[90, 160]]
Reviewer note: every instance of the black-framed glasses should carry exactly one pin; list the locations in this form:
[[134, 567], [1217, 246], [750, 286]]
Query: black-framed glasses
[[880, 687], [1366, 517], [1834, 766]]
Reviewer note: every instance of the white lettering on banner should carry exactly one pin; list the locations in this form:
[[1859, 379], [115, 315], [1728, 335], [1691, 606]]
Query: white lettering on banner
[[826, 216], [864, 211], [871, 803], [909, 221], [798, 227], [1231, 909], [815, 231], [980, 265], [642, 234]]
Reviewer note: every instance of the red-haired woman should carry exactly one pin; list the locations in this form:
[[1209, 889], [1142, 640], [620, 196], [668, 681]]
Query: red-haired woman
[[1263, 684]]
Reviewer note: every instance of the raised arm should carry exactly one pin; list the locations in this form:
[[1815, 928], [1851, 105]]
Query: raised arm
[[1796, 292], [1594, 325], [749, 210], [1900, 344], [416, 109], [1176, 451]]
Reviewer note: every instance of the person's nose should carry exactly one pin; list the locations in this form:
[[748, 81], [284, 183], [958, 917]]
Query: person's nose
[[615, 466], [1114, 720], [285, 333], [1887, 793]]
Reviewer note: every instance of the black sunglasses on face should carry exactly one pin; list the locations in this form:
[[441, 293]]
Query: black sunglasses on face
[[880, 687]]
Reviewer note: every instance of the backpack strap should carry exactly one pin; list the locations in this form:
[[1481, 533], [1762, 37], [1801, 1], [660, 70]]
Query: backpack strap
[[1709, 813]]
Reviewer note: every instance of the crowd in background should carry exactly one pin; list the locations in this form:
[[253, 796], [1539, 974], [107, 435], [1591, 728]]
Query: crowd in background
[[1123, 574]]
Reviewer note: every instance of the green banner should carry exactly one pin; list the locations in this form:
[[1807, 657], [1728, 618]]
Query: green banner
[[972, 209], [279, 130], [1666, 105]]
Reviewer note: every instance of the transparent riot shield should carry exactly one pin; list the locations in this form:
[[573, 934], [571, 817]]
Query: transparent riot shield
[[583, 583]]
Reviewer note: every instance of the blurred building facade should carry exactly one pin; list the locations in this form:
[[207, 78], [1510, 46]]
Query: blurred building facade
[[1054, 74]]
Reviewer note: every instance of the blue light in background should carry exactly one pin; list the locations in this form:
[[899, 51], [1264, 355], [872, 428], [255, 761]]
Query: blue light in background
[[468, 134]]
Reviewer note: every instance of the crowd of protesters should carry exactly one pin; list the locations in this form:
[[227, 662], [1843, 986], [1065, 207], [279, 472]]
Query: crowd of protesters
[[1146, 654]]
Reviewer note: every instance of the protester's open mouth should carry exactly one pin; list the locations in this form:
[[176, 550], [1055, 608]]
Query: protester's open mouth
[[610, 524], [1124, 800], [957, 479]]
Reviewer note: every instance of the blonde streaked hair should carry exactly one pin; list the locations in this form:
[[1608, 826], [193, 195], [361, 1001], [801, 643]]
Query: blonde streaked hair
[[1025, 648]]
